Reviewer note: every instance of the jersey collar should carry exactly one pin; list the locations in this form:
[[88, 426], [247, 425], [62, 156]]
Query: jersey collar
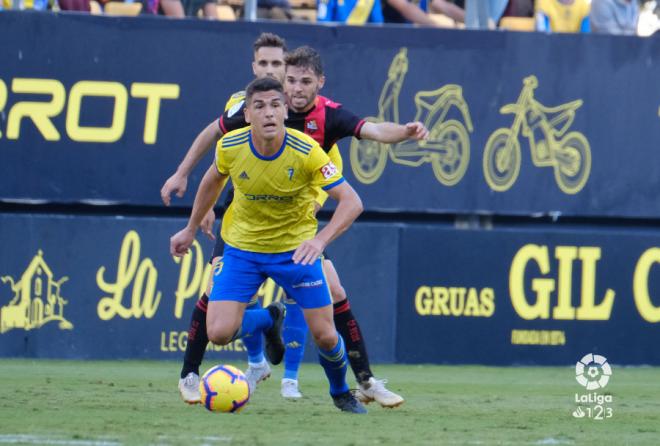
[[267, 158]]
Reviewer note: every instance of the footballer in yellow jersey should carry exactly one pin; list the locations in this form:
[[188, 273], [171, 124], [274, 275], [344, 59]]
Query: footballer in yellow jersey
[[273, 206], [283, 166]]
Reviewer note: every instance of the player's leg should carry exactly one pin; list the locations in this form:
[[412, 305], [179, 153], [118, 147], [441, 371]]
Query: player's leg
[[332, 357], [258, 369], [370, 388], [197, 341], [294, 334], [236, 279], [307, 285]]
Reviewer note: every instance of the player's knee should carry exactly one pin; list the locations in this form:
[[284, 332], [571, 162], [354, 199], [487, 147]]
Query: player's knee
[[219, 335], [326, 339], [338, 293]]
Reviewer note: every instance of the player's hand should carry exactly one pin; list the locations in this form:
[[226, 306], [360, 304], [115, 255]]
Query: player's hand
[[416, 130], [308, 252], [176, 183], [181, 242], [207, 224]]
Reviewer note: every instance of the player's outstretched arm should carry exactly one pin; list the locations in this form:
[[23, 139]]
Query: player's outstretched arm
[[207, 194], [389, 132], [349, 207], [178, 182]]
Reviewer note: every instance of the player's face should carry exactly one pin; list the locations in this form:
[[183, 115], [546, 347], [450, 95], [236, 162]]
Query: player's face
[[301, 86], [266, 112], [269, 61]]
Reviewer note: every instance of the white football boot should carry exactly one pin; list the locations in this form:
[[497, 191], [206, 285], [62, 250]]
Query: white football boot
[[375, 390], [255, 374], [189, 388], [289, 389]]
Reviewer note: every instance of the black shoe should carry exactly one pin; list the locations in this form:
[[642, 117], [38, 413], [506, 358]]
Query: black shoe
[[274, 344], [346, 402]]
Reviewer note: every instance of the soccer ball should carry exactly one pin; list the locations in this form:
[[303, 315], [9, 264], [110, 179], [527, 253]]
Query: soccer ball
[[224, 389]]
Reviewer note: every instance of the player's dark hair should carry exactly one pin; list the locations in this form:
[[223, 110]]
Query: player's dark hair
[[269, 40], [262, 85], [305, 57]]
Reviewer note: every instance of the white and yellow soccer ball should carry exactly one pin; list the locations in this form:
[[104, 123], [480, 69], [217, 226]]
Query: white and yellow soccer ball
[[224, 388]]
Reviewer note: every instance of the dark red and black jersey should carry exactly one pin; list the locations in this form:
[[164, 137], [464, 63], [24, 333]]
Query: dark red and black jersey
[[327, 122]]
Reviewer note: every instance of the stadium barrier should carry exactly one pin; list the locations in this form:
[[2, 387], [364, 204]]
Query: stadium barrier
[[519, 123], [106, 287], [528, 295], [529, 131]]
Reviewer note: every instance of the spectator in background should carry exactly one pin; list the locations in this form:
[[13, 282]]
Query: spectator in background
[[407, 11], [519, 8], [614, 16], [274, 10], [74, 5], [562, 16], [37, 5], [483, 14], [190, 8], [170, 8], [454, 9], [352, 12]]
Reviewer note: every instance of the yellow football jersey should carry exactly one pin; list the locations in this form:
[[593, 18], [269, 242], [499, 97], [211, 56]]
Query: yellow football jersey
[[273, 207], [564, 18], [335, 157]]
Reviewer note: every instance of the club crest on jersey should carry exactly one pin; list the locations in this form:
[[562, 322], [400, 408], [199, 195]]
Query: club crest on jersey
[[329, 170], [311, 125]]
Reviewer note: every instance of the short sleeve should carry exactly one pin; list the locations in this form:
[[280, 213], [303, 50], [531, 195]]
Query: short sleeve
[[324, 173], [221, 160]]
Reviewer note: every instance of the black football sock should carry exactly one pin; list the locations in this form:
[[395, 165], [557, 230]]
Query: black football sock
[[197, 338], [356, 350]]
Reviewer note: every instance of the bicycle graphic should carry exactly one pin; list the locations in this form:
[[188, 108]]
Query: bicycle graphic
[[448, 145], [545, 128]]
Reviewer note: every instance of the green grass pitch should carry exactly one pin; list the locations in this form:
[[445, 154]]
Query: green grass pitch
[[112, 403]]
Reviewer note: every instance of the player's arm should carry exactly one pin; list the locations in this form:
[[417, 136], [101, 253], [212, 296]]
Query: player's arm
[[412, 12], [342, 122], [207, 195], [178, 182], [389, 132], [349, 207], [321, 195]]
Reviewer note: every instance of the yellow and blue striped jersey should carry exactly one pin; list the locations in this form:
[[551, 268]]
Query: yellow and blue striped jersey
[[555, 16], [273, 207]]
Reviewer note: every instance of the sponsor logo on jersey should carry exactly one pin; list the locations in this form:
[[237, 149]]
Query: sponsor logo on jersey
[[314, 284], [329, 170], [266, 197]]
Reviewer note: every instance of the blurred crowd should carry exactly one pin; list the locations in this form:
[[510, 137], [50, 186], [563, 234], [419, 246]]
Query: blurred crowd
[[628, 17]]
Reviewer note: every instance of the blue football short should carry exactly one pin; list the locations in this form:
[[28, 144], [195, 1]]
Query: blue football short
[[240, 273]]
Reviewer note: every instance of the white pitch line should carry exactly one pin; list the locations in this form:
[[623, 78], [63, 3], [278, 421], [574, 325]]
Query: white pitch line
[[42, 439]]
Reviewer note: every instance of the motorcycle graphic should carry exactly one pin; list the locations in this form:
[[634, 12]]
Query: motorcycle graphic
[[545, 128], [448, 145]]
